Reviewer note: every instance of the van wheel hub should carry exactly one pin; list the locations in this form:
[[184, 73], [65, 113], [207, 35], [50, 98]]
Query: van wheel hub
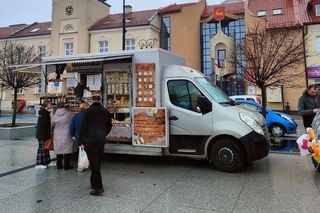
[[277, 131], [225, 155]]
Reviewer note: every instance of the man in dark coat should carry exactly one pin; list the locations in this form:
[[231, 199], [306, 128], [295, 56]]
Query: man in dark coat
[[79, 89], [309, 104], [96, 125]]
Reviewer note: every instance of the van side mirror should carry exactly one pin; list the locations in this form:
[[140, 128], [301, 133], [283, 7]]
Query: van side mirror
[[260, 111], [204, 106]]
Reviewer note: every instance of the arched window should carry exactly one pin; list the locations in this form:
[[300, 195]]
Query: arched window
[[68, 28]]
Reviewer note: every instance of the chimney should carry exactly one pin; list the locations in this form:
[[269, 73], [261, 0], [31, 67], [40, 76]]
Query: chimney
[[128, 8]]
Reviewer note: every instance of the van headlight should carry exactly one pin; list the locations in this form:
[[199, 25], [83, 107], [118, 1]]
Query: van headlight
[[252, 123]]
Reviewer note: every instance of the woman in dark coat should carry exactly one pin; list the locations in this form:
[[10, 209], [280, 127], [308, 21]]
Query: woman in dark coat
[[43, 133]]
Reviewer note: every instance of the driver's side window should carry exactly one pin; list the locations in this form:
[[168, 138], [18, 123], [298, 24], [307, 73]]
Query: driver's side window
[[184, 94]]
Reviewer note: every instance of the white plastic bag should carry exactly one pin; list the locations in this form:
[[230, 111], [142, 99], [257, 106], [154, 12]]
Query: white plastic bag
[[303, 144], [83, 162]]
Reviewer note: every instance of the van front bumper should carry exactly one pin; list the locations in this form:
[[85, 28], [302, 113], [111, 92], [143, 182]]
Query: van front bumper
[[257, 146]]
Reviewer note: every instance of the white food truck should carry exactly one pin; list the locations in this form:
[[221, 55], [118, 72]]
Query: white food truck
[[160, 107]]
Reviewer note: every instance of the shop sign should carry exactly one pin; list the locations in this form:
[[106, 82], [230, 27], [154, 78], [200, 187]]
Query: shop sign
[[56, 84], [313, 72], [85, 67], [274, 94], [219, 13], [251, 90]]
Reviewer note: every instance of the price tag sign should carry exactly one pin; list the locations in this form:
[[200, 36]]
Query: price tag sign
[[56, 84]]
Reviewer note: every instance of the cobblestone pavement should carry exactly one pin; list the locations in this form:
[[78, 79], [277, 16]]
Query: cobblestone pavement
[[278, 183]]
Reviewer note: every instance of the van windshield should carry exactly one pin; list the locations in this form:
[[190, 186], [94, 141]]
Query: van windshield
[[215, 92]]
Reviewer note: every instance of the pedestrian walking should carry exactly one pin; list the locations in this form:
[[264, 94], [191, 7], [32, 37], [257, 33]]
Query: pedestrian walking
[[64, 146], [76, 122], [43, 133], [309, 104], [96, 125]]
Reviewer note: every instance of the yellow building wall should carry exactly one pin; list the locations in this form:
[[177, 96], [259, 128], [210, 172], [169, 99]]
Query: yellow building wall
[[185, 33], [32, 41], [85, 14], [290, 95], [313, 58], [222, 41], [114, 37]]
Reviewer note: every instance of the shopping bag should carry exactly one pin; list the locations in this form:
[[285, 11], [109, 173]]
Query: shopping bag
[[83, 162], [303, 144], [48, 144]]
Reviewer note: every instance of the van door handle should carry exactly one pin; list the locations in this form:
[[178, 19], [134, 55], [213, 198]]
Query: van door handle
[[173, 118]]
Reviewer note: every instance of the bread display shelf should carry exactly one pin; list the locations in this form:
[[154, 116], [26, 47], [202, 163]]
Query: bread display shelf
[[120, 132], [118, 102]]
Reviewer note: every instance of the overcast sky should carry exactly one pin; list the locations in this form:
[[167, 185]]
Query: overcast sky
[[29, 11]]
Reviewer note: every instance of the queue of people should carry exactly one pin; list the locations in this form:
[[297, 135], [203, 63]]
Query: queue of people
[[87, 129]]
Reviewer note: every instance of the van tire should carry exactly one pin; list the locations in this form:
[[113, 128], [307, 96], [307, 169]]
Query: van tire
[[226, 155]]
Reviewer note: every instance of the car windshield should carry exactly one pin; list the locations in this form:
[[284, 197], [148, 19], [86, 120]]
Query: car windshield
[[215, 92]]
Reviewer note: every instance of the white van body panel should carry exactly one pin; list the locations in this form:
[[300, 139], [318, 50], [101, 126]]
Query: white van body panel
[[225, 119]]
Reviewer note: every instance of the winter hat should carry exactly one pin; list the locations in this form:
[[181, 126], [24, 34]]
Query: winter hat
[[96, 98], [60, 105]]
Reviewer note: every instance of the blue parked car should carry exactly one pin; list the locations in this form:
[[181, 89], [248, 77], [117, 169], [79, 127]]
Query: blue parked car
[[278, 123]]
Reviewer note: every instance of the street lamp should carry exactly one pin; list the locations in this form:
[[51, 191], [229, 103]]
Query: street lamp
[[124, 25]]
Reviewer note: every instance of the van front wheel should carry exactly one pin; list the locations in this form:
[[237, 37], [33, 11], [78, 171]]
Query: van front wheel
[[226, 155]]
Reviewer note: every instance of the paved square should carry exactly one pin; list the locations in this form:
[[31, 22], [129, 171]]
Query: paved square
[[278, 183]]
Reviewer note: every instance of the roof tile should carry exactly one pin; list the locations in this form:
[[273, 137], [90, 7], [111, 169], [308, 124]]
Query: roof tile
[[309, 13], [5, 32], [115, 20], [34, 29], [290, 15], [174, 8]]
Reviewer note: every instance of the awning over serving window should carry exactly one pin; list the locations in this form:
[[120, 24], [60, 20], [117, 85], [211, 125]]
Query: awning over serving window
[[28, 68], [51, 62]]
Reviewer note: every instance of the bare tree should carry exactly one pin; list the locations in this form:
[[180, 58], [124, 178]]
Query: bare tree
[[16, 54], [272, 57]]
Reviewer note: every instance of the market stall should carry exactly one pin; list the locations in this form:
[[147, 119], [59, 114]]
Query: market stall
[[80, 79]]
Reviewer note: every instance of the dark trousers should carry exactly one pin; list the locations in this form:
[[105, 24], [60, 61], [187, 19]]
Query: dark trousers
[[95, 155], [307, 120], [65, 158]]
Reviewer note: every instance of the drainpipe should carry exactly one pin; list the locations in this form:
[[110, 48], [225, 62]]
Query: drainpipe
[[1, 95], [124, 25]]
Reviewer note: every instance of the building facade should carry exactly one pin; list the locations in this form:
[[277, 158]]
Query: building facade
[[220, 39], [181, 31], [312, 31], [191, 30], [80, 26]]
